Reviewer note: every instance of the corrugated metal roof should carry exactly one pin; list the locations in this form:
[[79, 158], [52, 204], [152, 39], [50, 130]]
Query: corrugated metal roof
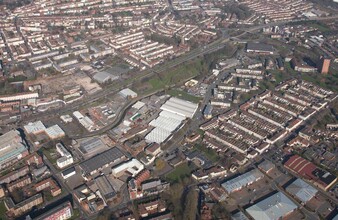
[[180, 107], [273, 207], [242, 180], [302, 190]]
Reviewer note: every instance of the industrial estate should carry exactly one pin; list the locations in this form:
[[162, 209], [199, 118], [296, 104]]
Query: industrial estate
[[160, 110]]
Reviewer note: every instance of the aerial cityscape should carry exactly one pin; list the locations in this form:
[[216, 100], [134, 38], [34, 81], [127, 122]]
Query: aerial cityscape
[[168, 109]]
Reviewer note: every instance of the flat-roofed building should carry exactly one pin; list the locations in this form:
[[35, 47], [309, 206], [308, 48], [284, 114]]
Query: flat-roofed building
[[12, 148], [132, 166], [103, 160], [35, 127], [19, 183], [55, 132], [259, 48], [92, 146], [68, 173]]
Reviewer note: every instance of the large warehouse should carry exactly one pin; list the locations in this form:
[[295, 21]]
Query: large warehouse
[[12, 148], [103, 160], [180, 107], [302, 190], [243, 180], [174, 112], [92, 146], [273, 207], [311, 172]]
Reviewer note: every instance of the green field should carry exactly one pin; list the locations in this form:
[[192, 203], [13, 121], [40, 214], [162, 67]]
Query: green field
[[184, 95], [180, 172], [175, 76]]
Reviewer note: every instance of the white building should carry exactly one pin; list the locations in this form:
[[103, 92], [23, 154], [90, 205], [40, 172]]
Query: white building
[[68, 173], [180, 107], [84, 121], [132, 166], [19, 97], [66, 118], [128, 93], [66, 158]]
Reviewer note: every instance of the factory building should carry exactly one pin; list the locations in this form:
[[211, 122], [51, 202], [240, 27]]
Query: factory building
[[276, 206], [103, 160], [174, 112], [243, 180], [302, 190], [12, 148]]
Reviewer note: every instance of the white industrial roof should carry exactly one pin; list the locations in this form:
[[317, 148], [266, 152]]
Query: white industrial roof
[[128, 92], [77, 115], [10, 144], [172, 115], [138, 105], [273, 207], [174, 112], [132, 166], [242, 180], [55, 131], [165, 124], [180, 107], [104, 76], [158, 135], [169, 124], [34, 127], [302, 190]]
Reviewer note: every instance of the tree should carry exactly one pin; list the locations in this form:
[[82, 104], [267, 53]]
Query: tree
[[191, 203]]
